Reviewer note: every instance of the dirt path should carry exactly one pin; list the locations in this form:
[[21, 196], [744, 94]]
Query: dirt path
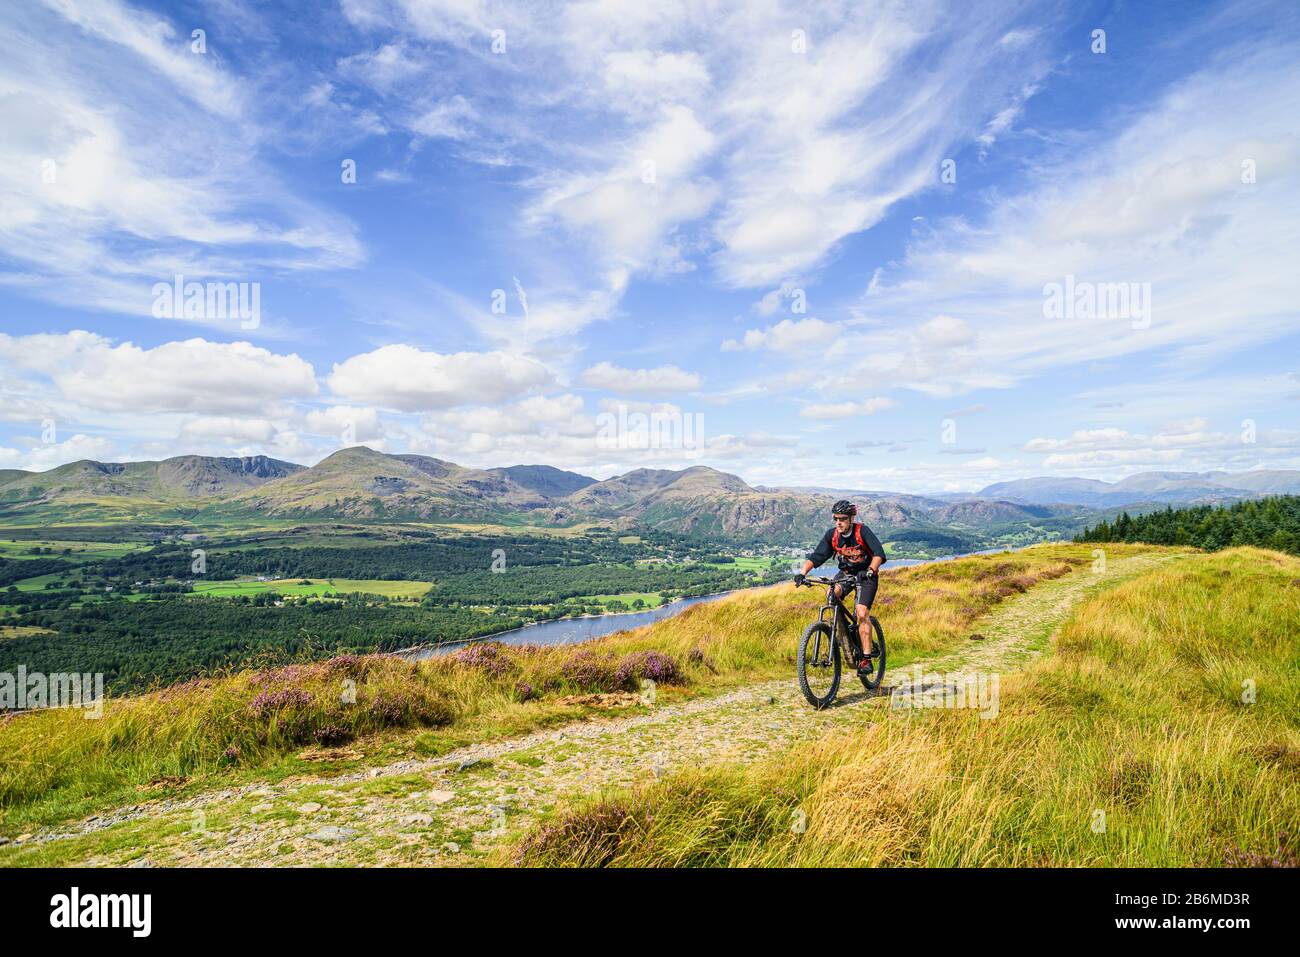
[[455, 809]]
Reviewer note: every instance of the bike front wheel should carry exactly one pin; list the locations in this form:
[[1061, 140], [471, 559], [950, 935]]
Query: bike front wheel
[[819, 665], [872, 677]]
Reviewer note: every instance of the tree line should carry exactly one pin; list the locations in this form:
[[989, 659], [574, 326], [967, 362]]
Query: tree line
[[135, 644], [1272, 522]]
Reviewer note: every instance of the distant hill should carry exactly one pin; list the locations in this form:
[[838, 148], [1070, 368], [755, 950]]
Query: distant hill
[[361, 484], [623, 491], [545, 479], [1147, 487], [180, 479], [979, 512], [1048, 491]]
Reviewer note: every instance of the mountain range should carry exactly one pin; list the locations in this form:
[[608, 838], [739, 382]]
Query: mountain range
[[360, 484], [1180, 488]]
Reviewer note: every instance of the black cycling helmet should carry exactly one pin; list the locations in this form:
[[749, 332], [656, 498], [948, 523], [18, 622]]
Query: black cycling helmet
[[844, 507]]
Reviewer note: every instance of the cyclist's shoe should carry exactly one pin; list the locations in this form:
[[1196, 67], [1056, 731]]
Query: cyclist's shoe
[[864, 663]]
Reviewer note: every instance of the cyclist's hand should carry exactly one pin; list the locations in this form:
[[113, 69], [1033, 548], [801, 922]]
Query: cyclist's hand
[[798, 579], [869, 573]]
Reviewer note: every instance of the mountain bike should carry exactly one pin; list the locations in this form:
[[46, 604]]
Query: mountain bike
[[825, 643]]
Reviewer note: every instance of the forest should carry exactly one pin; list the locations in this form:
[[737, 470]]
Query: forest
[[137, 644], [1267, 523], [136, 620]]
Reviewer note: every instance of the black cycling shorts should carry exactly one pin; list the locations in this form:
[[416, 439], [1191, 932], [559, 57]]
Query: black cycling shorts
[[867, 585]]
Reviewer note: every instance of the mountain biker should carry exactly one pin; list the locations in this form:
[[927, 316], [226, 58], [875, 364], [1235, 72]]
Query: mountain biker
[[860, 556]]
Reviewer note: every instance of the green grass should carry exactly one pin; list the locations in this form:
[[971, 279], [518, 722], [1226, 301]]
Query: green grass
[[56, 766], [38, 583], [388, 589], [747, 563], [231, 589], [315, 587], [1135, 744], [651, 599], [81, 551]]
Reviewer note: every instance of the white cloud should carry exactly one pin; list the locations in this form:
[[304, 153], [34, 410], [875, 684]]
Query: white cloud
[[659, 381], [408, 379], [159, 45], [824, 411], [629, 406], [1190, 445], [110, 175], [788, 335], [361, 425], [1160, 200], [448, 119], [537, 415], [945, 332], [228, 429], [384, 68], [22, 408], [41, 458], [1018, 38], [656, 140], [626, 210], [1190, 434], [651, 77], [193, 375]]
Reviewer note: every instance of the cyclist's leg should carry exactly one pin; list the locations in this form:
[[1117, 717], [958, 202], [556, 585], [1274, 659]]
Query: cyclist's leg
[[841, 592], [867, 585]]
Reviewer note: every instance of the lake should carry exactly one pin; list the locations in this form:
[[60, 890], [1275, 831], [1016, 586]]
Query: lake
[[567, 631]]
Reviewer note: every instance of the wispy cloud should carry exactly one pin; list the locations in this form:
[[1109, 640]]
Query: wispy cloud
[[129, 157]]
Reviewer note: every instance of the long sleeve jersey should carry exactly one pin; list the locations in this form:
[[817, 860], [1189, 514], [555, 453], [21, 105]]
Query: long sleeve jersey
[[851, 558]]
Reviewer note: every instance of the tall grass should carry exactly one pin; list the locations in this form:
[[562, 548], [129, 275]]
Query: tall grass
[[1134, 745], [56, 765]]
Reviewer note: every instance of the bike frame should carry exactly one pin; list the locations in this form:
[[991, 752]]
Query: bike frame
[[842, 626]]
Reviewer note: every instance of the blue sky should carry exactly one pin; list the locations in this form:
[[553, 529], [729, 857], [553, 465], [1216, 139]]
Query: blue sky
[[824, 231]]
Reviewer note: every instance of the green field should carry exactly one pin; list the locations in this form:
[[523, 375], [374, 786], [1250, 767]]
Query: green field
[[651, 599], [745, 563], [317, 587], [37, 583], [80, 551]]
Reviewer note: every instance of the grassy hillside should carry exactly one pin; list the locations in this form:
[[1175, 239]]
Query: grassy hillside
[[56, 765], [1138, 743]]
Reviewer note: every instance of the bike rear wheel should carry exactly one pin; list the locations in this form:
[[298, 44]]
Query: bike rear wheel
[[871, 678], [819, 665]]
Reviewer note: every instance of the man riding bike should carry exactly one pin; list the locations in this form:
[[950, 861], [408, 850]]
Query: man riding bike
[[860, 556]]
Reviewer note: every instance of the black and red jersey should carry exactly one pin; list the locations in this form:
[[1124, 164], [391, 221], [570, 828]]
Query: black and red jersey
[[854, 549]]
